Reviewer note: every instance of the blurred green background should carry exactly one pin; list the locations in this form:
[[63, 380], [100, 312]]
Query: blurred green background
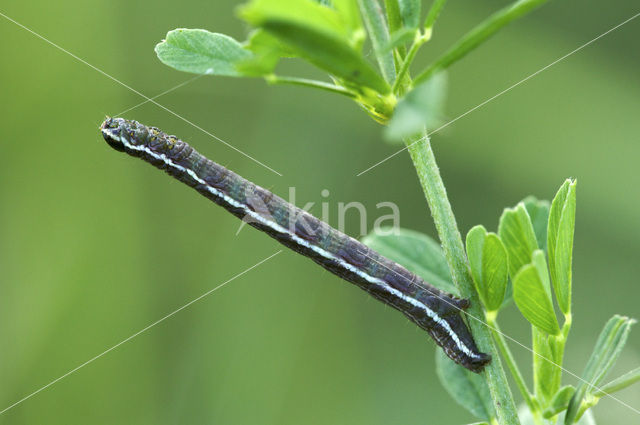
[[95, 246]]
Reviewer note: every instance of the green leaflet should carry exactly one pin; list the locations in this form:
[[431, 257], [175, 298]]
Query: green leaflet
[[619, 383], [418, 253], [348, 10], [517, 234], [468, 389], [202, 52], [532, 294], [560, 242], [267, 51], [546, 375], [306, 13], [539, 214], [605, 353], [489, 266], [318, 34]]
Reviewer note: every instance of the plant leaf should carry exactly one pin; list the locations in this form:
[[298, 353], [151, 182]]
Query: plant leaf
[[545, 372], [305, 13], [559, 402], [539, 214], [410, 13], [417, 252], [267, 51], [556, 212], [316, 33], [374, 20], [468, 389], [489, 266], [421, 107], [201, 52], [560, 242], [474, 245], [532, 295], [348, 10], [495, 270], [516, 232], [620, 383], [605, 353]]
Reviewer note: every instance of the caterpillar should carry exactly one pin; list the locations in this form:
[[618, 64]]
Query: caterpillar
[[433, 310]]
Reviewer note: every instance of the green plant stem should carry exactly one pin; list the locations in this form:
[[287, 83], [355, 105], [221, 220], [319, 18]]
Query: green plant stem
[[419, 40], [276, 79], [513, 368], [561, 341], [479, 34], [429, 175]]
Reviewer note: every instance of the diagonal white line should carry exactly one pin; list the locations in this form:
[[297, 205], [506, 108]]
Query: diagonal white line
[[502, 92], [182, 84], [507, 336], [148, 99], [137, 333]]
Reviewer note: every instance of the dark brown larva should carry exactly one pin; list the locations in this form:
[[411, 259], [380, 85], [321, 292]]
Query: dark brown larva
[[433, 310]]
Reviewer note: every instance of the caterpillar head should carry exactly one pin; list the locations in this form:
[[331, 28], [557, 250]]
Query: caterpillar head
[[115, 133]]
